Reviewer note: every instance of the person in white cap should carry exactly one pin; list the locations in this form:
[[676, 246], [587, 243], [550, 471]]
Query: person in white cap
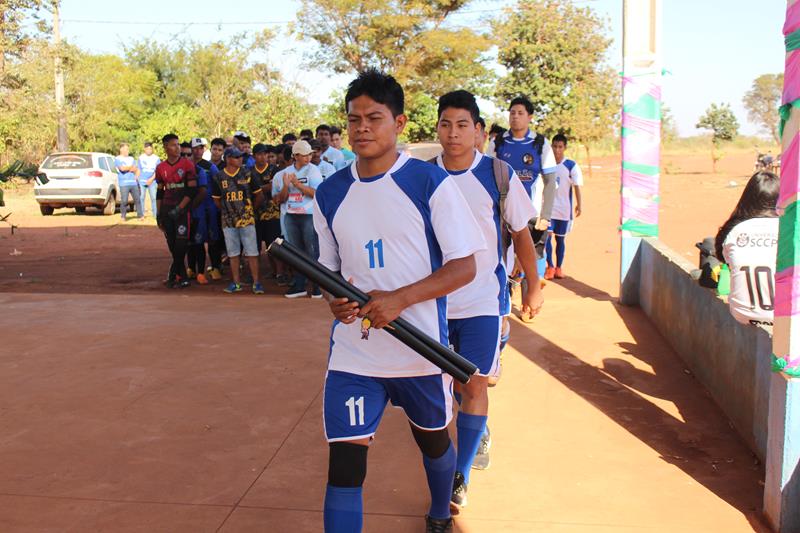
[[295, 186]]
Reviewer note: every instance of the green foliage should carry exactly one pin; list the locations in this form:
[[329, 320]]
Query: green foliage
[[406, 38], [721, 121], [422, 118], [554, 53], [669, 130], [762, 102], [723, 125]]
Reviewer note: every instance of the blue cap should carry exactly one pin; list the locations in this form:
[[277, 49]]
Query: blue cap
[[233, 152]]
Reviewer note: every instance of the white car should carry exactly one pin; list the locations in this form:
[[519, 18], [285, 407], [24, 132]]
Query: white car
[[78, 180]]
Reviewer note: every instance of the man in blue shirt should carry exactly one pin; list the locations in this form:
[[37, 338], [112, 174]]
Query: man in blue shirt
[[148, 161], [295, 187], [326, 169], [128, 181]]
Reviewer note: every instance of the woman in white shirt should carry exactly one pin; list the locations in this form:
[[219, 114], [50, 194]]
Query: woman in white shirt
[[748, 243]]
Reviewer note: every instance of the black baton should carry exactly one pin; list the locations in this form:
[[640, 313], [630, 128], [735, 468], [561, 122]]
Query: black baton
[[432, 350]]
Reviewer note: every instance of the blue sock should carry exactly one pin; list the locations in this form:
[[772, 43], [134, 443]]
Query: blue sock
[[440, 472], [561, 249], [470, 430], [540, 266], [343, 510], [548, 251]]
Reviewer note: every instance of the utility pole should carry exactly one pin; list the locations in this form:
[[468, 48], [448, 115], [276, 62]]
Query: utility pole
[[62, 142], [782, 480], [641, 136]]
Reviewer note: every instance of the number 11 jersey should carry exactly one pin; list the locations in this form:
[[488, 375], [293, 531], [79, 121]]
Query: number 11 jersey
[[385, 232]]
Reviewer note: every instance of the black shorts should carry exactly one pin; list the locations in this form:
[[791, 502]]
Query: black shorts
[[268, 230]]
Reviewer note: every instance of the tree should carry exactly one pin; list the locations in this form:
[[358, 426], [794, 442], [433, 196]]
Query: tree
[[669, 129], [723, 125], [762, 102], [405, 38], [554, 53], [15, 38]]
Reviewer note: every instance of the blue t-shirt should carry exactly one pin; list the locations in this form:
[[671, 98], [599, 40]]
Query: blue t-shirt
[[298, 203], [147, 166], [125, 179], [525, 158], [202, 181], [208, 202]]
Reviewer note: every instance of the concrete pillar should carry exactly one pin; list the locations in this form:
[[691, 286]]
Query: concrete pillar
[[641, 136], [782, 483]]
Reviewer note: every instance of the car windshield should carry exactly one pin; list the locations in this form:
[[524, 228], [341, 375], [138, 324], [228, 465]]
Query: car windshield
[[67, 161]]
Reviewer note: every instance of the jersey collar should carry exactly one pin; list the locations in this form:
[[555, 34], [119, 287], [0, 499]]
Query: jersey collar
[[510, 137], [402, 158], [475, 162]]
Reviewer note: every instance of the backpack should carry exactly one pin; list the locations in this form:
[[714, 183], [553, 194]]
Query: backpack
[[502, 179]]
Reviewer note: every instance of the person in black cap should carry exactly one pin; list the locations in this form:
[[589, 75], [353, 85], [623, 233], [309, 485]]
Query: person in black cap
[[242, 141], [237, 194]]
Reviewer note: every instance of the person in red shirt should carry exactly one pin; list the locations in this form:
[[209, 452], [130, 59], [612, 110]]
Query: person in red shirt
[[177, 185]]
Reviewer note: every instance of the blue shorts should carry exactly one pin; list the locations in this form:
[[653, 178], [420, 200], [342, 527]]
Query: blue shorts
[[353, 405], [560, 227], [238, 238], [477, 339]]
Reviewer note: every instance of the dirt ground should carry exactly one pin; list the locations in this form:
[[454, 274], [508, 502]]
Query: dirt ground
[[125, 406]]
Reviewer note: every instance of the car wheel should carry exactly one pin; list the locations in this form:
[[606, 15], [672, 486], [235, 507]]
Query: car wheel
[[111, 205], [46, 210], [80, 210]]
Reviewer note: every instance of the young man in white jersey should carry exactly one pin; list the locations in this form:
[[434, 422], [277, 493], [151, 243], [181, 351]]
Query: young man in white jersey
[[400, 229], [569, 179], [474, 312]]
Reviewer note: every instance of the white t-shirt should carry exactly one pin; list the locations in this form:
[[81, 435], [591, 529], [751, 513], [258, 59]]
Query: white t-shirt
[[568, 174], [750, 251], [334, 157], [387, 232], [487, 295]]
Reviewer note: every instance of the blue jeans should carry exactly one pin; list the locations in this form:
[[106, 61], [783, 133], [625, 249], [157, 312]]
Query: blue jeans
[[133, 190], [300, 232], [151, 190]]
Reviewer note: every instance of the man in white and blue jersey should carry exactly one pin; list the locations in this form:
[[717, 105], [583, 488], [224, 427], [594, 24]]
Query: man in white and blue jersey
[[328, 152], [475, 311], [565, 208], [531, 157], [401, 230]]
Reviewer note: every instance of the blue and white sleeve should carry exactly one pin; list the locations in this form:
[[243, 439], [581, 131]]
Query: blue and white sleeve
[[453, 224], [328, 249]]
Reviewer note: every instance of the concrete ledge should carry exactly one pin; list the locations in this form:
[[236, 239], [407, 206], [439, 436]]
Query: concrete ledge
[[730, 359]]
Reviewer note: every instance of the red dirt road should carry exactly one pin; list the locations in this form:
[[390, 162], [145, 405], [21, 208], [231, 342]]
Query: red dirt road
[[127, 407]]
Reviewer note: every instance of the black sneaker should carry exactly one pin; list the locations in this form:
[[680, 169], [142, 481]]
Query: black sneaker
[[481, 461], [170, 283], [296, 293], [183, 283], [459, 497], [438, 525]]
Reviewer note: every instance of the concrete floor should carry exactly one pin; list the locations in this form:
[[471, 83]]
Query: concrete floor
[[189, 412]]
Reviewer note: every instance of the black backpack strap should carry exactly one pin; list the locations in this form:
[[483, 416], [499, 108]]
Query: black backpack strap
[[502, 179], [538, 143], [433, 161]]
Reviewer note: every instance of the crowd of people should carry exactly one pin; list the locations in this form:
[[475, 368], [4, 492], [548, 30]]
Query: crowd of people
[[441, 242]]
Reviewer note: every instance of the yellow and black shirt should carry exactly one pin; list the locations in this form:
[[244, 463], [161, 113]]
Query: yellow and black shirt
[[236, 194], [268, 210]]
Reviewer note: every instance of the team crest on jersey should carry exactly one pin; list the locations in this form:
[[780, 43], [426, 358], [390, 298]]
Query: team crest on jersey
[[742, 240], [182, 230], [527, 159], [179, 172]]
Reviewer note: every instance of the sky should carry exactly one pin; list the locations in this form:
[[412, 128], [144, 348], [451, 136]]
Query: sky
[[713, 49]]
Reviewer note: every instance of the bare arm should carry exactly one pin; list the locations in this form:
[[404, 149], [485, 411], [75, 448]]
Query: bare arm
[[526, 256], [577, 201], [548, 197], [385, 306]]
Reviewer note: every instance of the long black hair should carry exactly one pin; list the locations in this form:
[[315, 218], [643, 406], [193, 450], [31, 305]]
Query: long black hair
[[758, 200]]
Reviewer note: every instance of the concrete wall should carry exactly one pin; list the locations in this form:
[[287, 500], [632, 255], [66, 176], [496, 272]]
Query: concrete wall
[[730, 359]]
